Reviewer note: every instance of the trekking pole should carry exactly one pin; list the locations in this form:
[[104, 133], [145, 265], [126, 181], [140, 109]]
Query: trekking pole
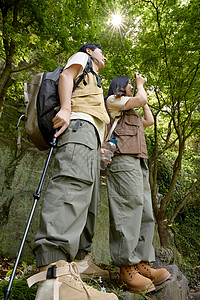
[[36, 198]]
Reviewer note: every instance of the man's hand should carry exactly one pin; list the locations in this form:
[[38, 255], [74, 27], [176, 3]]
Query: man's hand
[[61, 121], [106, 155]]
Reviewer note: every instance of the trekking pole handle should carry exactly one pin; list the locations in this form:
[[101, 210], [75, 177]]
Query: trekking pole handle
[[53, 143]]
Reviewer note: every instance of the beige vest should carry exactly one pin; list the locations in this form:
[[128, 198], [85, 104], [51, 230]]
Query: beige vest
[[130, 134], [89, 99]]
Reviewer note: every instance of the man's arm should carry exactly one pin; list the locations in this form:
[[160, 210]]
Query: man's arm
[[65, 87]]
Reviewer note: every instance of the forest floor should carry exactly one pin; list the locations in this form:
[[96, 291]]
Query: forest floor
[[23, 269]]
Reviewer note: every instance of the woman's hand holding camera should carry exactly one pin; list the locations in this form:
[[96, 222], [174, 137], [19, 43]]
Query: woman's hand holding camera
[[139, 80]]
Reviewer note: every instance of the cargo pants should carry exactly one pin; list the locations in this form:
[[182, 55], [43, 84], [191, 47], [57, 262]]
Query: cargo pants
[[71, 200], [131, 215]]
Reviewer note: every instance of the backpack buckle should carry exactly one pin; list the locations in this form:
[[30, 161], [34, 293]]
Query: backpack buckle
[[51, 273]]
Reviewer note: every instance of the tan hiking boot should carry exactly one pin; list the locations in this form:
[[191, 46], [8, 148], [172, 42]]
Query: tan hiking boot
[[157, 276], [61, 281], [88, 268], [134, 281]]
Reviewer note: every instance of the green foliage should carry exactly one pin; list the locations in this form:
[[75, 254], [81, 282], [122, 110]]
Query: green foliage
[[187, 176], [164, 173], [186, 226], [13, 109], [19, 291], [186, 229]]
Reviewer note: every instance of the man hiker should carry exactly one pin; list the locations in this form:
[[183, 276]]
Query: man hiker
[[67, 224]]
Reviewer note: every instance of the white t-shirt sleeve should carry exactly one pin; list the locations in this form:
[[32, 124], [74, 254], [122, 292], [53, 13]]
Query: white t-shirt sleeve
[[79, 58], [116, 105]]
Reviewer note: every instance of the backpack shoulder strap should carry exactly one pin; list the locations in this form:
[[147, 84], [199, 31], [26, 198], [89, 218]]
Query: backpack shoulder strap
[[108, 137], [88, 68]]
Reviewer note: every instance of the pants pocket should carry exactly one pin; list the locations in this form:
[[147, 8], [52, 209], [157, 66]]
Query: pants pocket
[[76, 155]]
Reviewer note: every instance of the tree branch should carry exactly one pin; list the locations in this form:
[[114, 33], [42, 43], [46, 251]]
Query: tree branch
[[184, 201], [27, 66]]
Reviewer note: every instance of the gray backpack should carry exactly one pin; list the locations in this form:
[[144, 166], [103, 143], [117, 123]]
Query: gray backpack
[[42, 104]]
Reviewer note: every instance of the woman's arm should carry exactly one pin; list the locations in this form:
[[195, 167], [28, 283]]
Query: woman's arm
[[148, 119], [140, 99]]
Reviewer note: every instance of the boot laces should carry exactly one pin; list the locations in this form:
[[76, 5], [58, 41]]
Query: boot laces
[[132, 269], [146, 266], [73, 268]]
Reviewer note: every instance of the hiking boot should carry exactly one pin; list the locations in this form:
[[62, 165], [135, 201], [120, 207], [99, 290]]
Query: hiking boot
[[134, 281], [61, 281], [157, 276], [88, 268]]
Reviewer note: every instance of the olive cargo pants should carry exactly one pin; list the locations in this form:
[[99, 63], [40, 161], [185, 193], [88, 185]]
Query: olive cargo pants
[[131, 215], [70, 203]]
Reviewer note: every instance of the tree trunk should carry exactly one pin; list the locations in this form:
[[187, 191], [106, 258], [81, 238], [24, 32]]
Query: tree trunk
[[5, 82], [163, 230]]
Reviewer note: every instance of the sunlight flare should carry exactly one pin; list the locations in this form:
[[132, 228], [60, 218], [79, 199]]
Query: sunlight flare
[[116, 20]]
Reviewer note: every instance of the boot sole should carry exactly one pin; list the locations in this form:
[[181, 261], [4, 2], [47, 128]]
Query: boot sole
[[147, 289], [162, 279]]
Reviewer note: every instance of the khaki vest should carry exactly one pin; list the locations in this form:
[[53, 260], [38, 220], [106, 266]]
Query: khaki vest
[[130, 134], [89, 99]]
